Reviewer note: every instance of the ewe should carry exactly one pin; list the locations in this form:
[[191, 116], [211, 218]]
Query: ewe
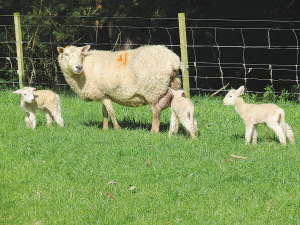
[[130, 78], [182, 108], [252, 115], [45, 100]]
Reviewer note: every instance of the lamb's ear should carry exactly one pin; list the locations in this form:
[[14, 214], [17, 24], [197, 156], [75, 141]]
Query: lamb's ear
[[183, 94], [60, 50], [18, 92], [240, 91], [85, 49]]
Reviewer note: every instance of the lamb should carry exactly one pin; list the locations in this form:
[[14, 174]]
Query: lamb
[[46, 100], [182, 108], [253, 114], [130, 78]]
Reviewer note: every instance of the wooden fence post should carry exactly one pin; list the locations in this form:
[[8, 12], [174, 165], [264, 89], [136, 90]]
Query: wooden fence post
[[19, 49], [184, 53]]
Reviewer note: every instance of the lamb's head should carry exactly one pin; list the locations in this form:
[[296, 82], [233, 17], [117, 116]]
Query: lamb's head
[[178, 93], [70, 58], [26, 94], [233, 95]]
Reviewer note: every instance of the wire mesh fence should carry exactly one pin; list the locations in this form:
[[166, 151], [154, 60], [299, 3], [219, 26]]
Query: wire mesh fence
[[256, 54]]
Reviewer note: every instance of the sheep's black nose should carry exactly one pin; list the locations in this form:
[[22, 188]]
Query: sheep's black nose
[[79, 67]]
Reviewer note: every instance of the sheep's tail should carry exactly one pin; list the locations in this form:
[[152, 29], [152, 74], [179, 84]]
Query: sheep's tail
[[287, 129]]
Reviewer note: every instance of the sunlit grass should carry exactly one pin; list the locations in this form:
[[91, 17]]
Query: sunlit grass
[[63, 175]]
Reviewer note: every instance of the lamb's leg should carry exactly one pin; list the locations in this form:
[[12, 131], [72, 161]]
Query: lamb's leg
[[55, 113], [254, 135], [32, 120], [248, 134], [174, 119], [48, 117], [278, 131], [109, 109], [176, 125], [27, 119], [156, 111], [289, 134], [188, 125], [195, 127]]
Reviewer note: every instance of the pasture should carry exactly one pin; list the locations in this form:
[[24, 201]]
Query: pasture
[[81, 174]]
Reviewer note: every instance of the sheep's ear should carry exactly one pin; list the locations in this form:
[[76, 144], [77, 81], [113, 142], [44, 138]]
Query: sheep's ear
[[60, 50], [85, 48], [18, 92], [33, 89], [240, 91], [183, 94]]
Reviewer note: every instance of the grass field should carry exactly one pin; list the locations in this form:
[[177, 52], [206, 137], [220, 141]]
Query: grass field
[[63, 175]]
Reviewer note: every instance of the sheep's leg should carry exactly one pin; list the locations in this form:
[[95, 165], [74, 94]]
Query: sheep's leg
[[55, 113], [195, 127], [248, 134], [176, 125], [173, 124], [48, 117], [32, 120], [188, 125], [278, 131], [27, 119], [254, 134], [105, 118], [110, 111], [289, 134], [156, 111], [59, 120]]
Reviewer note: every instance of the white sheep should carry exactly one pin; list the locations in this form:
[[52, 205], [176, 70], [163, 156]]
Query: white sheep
[[47, 101], [131, 78], [253, 114], [182, 108]]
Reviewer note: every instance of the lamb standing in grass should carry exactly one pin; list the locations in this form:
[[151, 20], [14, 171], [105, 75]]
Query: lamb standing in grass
[[46, 100], [130, 78], [252, 115], [182, 108]]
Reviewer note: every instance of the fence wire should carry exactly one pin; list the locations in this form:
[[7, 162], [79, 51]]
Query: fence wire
[[253, 53]]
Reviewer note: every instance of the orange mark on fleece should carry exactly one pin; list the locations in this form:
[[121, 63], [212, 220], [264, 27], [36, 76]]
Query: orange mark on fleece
[[68, 46], [120, 59]]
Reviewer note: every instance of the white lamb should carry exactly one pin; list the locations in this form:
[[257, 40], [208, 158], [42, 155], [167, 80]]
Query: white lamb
[[46, 100], [252, 115], [182, 108]]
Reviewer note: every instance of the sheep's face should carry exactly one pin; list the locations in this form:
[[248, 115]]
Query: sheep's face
[[232, 95], [71, 58], [26, 94], [178, 93]]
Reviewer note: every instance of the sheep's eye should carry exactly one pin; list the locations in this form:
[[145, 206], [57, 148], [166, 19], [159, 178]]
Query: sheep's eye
[[67, 54], [230, 96], [24, 94]]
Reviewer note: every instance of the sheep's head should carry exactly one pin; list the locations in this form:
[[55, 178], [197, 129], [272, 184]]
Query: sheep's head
[[26, 94], [178, 93], [70, 58], [232, 95]]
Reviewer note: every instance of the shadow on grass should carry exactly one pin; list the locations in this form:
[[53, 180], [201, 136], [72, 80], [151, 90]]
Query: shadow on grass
[[127, 123], [272, 138]]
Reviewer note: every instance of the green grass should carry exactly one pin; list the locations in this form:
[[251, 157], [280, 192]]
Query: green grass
[[62, 175]]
